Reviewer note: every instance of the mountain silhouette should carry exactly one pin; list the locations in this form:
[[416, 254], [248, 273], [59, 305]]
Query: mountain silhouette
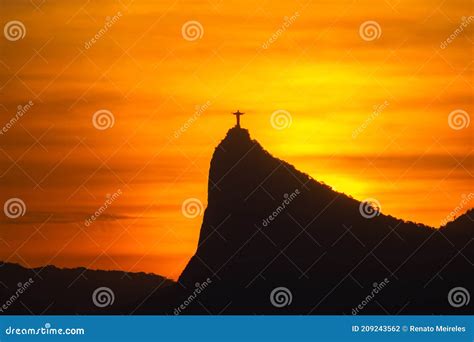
[[267, 225], [275, 241], [53, 291]]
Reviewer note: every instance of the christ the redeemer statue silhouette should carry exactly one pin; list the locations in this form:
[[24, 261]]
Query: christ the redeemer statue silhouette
[[237, 115]]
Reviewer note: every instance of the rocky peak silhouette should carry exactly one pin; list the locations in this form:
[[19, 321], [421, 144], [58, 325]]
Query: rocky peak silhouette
[[268, 225]]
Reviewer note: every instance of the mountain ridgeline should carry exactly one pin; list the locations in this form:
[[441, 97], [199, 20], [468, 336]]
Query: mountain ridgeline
[[275, 241], [268, 226]]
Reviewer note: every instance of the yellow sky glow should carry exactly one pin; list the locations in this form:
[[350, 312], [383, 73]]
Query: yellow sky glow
[[142, 70]]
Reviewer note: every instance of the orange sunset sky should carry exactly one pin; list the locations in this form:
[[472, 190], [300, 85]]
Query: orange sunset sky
[[369, 115]]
